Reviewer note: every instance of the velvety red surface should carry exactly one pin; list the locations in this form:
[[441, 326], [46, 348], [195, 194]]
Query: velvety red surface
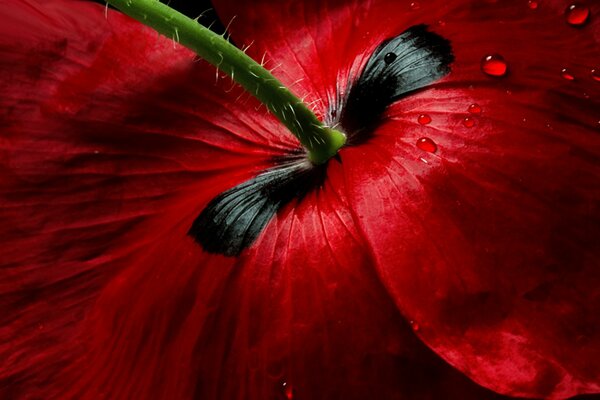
[[467, 273]]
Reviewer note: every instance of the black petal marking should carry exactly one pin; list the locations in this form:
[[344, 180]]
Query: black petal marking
[[399, 66], [234, 219]]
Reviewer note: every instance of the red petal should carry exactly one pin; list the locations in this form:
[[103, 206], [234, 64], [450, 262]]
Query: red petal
[[302, 314], [172, 322], [103, 125], [187, 322], [490, 243]]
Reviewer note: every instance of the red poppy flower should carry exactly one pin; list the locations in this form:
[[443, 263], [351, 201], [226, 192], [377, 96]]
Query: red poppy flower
[[154, 247]]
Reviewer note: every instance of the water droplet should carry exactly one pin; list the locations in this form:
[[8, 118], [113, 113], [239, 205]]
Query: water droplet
[[567, 75], [469, 122], [390, 58], [596, 74], [427, 145], [288, 391], [577, 14], [532, 4], [475, 108], [424, 119], [494, 65], [414, 325], [415, 5]]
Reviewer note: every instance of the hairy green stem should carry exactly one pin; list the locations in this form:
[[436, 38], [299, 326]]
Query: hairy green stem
[[320, 141]]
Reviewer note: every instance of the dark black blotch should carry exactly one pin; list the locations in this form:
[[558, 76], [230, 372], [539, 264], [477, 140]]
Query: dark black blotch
[[398, 67], [233, 220]]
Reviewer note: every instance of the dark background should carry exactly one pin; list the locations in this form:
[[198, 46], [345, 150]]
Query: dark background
[[193, 8]]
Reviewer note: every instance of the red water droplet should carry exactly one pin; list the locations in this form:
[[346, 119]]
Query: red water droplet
[[475, 108], [427, 145], [288, 391], [424, 119], [415, 5], [494, 65], [414, 325], [469, 122], [567, 75], [577, 14], [596, 74], [532, 4]]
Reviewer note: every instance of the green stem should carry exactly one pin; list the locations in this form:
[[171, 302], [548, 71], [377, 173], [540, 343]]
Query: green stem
[[320, 141]]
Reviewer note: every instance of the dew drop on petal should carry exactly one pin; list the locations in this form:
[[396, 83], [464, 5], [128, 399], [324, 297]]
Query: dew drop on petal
[[494, 65], [414, 325], [288, 391], [532, 4], [415, 5], [577, 14], [566, 74], [468, 122], [474, 108], [596, 74], [427, 145], [424, 119], [390, 58]]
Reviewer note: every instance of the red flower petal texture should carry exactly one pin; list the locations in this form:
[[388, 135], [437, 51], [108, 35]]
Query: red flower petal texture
[[490, 243], [404, 268]]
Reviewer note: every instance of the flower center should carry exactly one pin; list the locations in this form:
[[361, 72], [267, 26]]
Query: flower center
[[398, 67]]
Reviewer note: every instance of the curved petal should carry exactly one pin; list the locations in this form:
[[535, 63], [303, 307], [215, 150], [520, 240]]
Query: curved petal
[[212, 321], [490, 242], [301, 314], [103, 124]]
